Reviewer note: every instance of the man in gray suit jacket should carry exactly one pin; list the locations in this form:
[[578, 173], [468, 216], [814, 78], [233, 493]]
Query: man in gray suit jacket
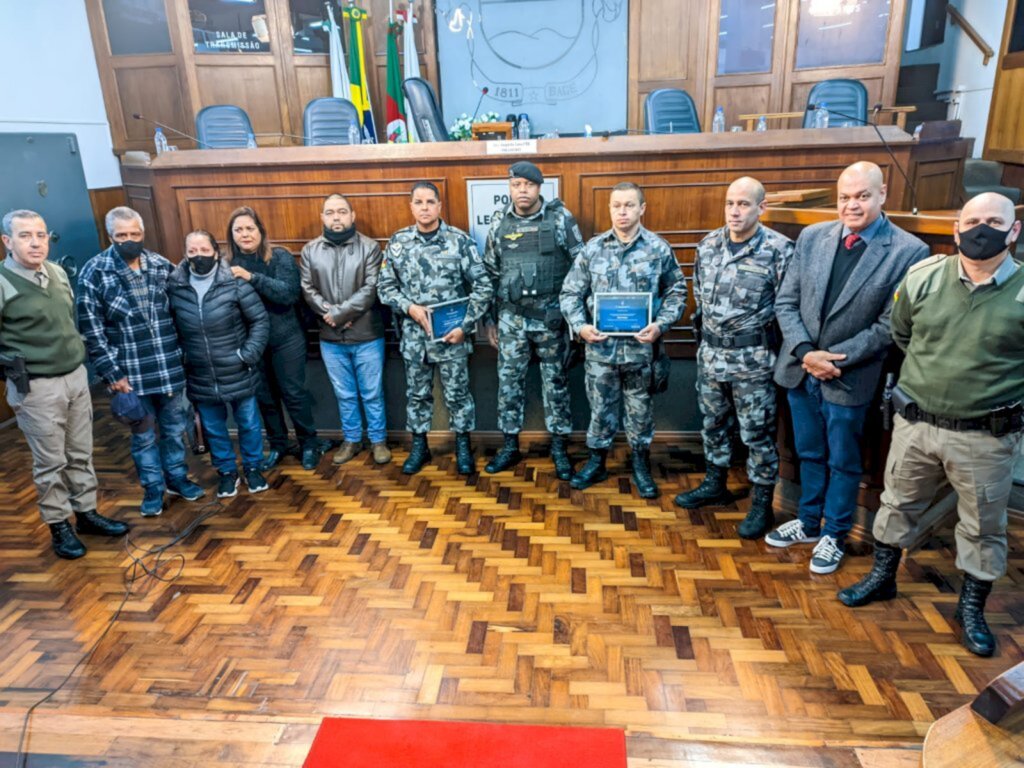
[[833, 308]]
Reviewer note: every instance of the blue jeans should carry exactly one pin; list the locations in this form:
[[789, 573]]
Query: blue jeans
[[250, 433], [161, 460], [356, 372], [827, 440]]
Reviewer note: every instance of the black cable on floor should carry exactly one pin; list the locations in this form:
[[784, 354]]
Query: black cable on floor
[[137, 570]]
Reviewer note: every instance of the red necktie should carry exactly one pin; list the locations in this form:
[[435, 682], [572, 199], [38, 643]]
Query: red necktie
[[851, 240]]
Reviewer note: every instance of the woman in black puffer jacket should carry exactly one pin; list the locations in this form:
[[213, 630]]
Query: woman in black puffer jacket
[[274, 275], [223, 328]]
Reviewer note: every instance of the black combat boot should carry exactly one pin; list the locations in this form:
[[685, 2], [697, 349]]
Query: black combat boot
[[712, 489], [560, 457], [761, 518], [464, 463], [65, 543], [646, 488], [96, 524], [880, 583], [594, 471], [970, 615], [507, 457], [419, 455]]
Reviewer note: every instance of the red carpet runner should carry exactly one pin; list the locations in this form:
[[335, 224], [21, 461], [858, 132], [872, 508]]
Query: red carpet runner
[[345, 743]]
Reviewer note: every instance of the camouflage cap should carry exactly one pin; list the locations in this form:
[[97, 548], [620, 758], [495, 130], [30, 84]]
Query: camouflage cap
[[524, 169]]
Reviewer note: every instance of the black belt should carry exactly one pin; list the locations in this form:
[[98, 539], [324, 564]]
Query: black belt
[[752, 339], [33, 376], [532, 313], [1011, 420]]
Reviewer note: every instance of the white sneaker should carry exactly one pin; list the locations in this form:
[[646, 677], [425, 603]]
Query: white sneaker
[[788, 534], [828, 554]]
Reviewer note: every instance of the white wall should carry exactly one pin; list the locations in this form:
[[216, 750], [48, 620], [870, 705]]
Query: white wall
[[960, 64], [50, 81]]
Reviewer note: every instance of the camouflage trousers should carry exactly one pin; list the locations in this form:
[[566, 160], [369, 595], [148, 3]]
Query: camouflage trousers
[[750, 402], [517, 336], [608, 387], [419, 391]]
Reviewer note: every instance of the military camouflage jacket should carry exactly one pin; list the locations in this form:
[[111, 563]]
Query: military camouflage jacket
[[736, 294], [418, 271], [646, 265], [567, 237]]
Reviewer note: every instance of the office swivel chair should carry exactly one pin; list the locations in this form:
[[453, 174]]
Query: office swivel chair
[[426, 115], [329, 121], [847, 96], [670, 110], [223, 126]]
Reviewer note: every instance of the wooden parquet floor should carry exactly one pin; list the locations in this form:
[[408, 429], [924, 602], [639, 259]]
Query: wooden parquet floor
[[359, 591]]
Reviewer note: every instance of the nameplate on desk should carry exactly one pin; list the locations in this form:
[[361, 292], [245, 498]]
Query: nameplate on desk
[[446, 316], [622, 314], [512, 147]]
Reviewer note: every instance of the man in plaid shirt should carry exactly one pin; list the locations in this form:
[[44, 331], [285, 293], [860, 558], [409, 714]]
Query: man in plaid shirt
[[124, 317]]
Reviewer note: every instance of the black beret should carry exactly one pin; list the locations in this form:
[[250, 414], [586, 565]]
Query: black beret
[[524, 169]]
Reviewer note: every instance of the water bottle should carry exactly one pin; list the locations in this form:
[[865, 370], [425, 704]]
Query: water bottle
[[250, 141], [353, 134], [762, 123], [160, 141], [718, 124], [524, 126], [588, 131], [821, 116]]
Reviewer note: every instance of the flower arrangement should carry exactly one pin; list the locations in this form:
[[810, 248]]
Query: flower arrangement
[[462, 128]]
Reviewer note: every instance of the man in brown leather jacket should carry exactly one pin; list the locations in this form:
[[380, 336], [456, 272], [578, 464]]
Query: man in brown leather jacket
[[339, 281]]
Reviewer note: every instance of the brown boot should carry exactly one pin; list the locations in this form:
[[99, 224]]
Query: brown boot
[[381, 453], [347, 452]]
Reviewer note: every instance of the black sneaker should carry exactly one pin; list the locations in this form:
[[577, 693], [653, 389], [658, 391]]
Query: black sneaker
[[255, 481], [227, 486]]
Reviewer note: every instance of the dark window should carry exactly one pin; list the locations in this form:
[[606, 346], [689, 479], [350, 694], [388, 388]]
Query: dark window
[[136, 26], [1016, 44], [229, 26], [841, 33], [309, 26]]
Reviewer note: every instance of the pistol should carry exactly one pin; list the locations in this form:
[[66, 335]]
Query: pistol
[[887, 406], [12, 368]]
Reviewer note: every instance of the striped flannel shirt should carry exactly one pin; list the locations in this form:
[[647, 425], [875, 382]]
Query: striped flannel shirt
[[125, 337]]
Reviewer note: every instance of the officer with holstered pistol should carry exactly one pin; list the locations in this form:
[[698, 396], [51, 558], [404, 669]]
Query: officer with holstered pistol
[[958, 408], [47, 384]]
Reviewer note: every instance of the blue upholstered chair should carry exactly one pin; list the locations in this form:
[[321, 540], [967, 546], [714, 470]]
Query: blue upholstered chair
[[222, 126], [670, 110], [842, 95], [329, 121]]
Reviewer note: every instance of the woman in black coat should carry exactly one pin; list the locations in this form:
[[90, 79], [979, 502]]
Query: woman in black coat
[[223, 329], [273, 274]]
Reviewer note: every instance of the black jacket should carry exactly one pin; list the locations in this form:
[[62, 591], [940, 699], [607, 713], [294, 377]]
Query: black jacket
[[224, 339], [277, 283]]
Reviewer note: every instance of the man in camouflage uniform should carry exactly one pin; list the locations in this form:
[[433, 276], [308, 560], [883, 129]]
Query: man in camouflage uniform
[[627, 258], [737, 272], [530, 248], [427, 263]]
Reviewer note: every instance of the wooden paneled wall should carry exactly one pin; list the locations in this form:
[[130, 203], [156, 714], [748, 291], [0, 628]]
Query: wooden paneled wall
[[1004, 140], [672, 44], [273, 87]]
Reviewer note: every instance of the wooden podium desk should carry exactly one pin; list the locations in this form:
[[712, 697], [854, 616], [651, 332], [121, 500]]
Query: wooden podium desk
[[684, 177]]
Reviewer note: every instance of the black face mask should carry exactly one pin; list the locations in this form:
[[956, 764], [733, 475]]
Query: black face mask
[[202, 265], [129, 250], [339, 238], [983, 242]]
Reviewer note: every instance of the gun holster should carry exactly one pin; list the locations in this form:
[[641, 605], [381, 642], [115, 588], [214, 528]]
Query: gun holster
[[12, 369]]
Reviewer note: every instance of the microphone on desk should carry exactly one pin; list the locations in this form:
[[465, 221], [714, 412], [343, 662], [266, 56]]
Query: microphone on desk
[[874, 111], [175, 131], [483, 92]]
